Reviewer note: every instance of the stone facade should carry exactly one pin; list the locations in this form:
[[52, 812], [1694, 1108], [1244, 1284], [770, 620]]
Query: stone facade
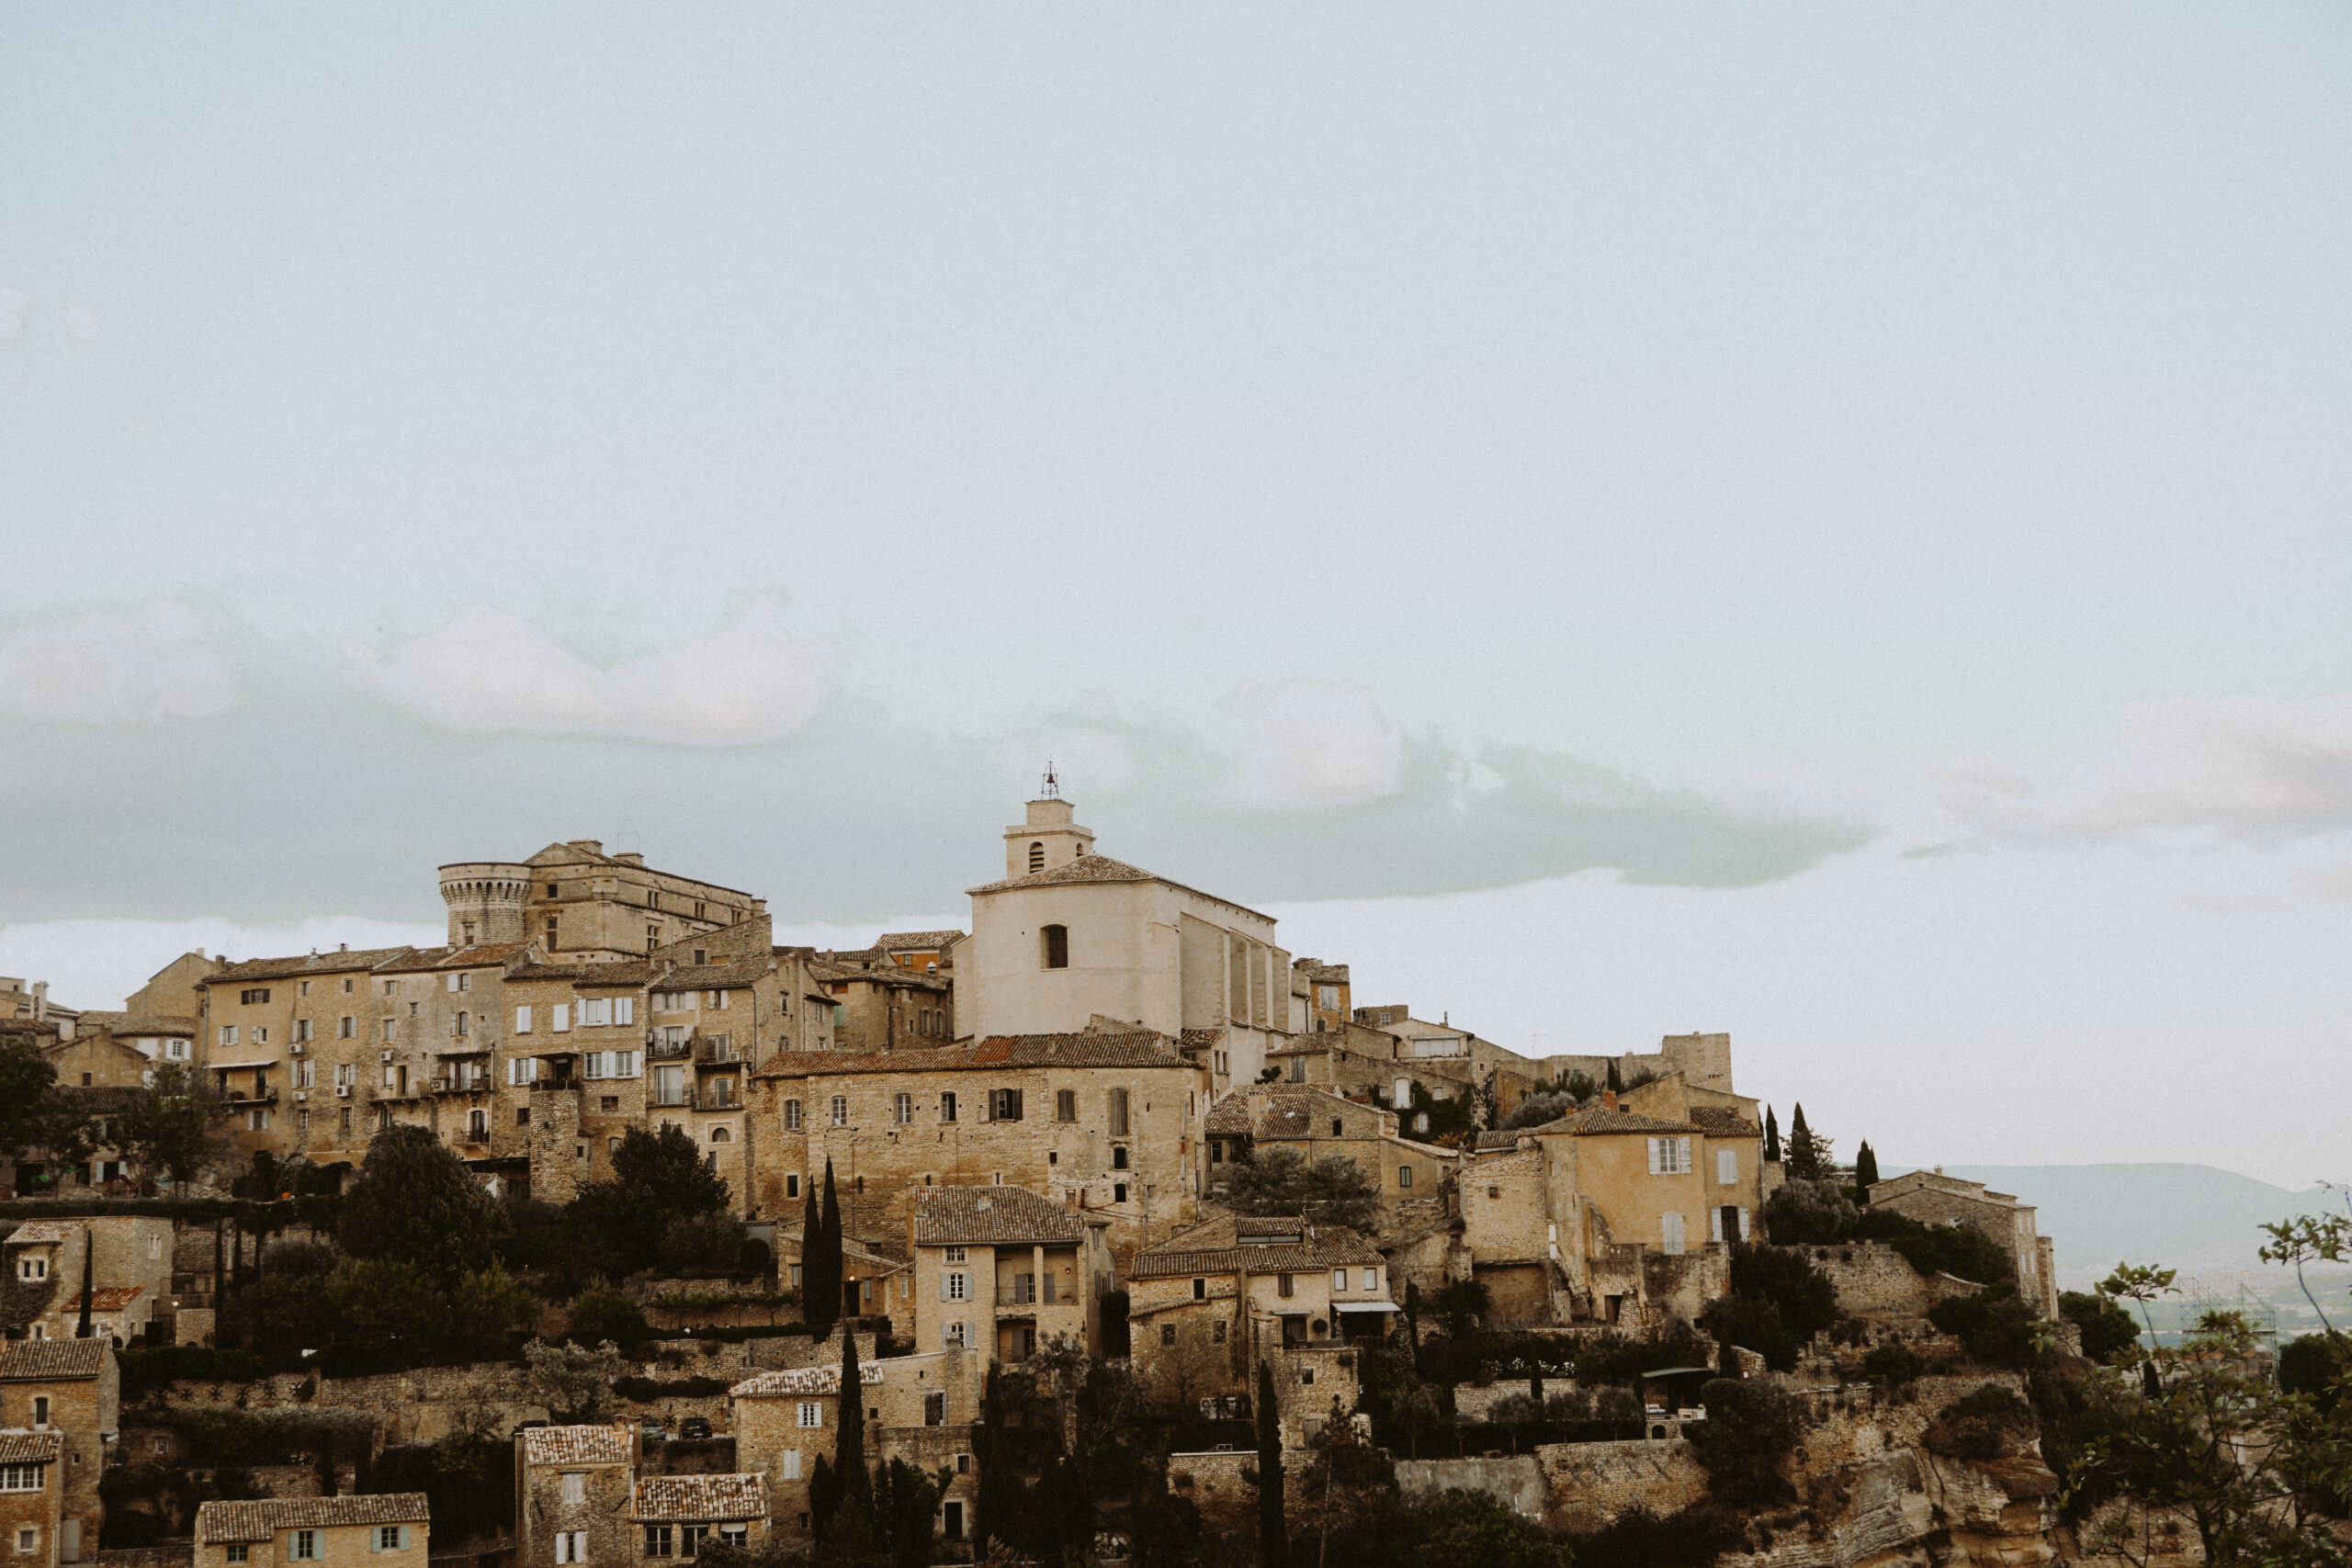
[[1003, 1273], [1319, 1125], [1932, 1198], [572, 1494], [784, 1420], [1208, 1302], [32, 1505], [369, 1530], [882, 1004], [71, 1387], [577, 903]]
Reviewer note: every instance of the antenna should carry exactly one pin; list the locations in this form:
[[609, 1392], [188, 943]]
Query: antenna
[[1052, 788]]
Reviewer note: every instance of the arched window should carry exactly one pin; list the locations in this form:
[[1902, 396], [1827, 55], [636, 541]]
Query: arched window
[[1056, 941], [721, 1136], [1037, 857]]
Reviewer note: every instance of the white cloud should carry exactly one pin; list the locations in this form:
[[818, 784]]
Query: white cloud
[[155, 664], [1316, 746], [12, 312], [81, 323], [489, 672], [2238, 768]]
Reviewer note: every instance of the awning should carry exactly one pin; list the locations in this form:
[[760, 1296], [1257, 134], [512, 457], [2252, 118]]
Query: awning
[[1365, 1306], [242, 1067]]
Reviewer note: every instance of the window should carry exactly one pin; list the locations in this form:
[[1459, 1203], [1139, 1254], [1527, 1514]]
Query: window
[[458, 1025], [240, 1552], [1056, 941], [522, 1070], [1118, 1113], [1404, 1176], [902, 1108], [522, 1020], [176, 1049], [1727, 1167], [1339, 1279], [391, 1030], [1216, 1331], [624, 1010], [1037, 857], [254, 996], [302, 988], [951, 1336], [811, 1414], [32, 1268], [690, 1538], [392, 1537], [952, 1515], [346, 1028], [791, 1116], [1284, 1286], [301, 1031], [947, 1106], [477, 1125], [1199, 1289], [657, 1540], [955, 1286], [934, 1408], [19, 1477], [1118, 1193], [595, 1012], [840, 1108], [1004, 1105], [560, 1018], [1064, 1105], [29, 1539], [790, 1467], [957, 1255], [1669, 1156], [571, 1546], [1118, 1156], [552, 891], [302, 1546], [1168, 1334], [792, 1189], [715, 1001], [228, 1034]]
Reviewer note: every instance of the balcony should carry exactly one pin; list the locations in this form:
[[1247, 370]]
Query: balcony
[[1021, 1290], [463, 1083], [240, 1099], [660, 1047], [709, 1052]]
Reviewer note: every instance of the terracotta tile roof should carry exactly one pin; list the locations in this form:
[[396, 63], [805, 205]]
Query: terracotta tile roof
[[32, 1448], [48, 1231], [217, 1522], [1228, 1117], [1216, 1247], [39, 1360], [1101, 868], [883, 972], [1307, 1113], [917, 941], [575, 1445], [1600, 1123], [481, 955], [723, 975], [694, 1498], [340, 962], [803, 1380], [160, 1025], [1194, 1039], [1136, 1048], [107, 1298], [1721, 1122], [991, 1216], [545, 971], [1501, 1138], [619, 972]]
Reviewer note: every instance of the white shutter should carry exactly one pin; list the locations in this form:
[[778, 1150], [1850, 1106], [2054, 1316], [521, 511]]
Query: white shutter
[[632, 1063], [1726, 1167], [522, 1020], [1681, 1156], [789, 1467], [1670, 1228], [1714, 1222], [562, 1020], [624, 1010], [1655, 1145], [1744, 1232]]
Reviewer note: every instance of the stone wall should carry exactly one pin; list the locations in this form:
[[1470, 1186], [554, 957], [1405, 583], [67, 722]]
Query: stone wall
[[1517, 1483], [1589, 1486], [181, 1554], [1873, 1279], [1222, 1485]]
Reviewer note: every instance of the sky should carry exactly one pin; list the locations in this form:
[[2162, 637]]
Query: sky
[[1826, 522]]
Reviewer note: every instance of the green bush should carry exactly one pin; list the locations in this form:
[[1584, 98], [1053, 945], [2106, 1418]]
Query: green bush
[[1983, 1425], [1995, 1325], [1639, 1539], [1896, 1363], [1752, 1426], [1956, 1251], [601, 1313], [2107, 1329], [146, 1370]]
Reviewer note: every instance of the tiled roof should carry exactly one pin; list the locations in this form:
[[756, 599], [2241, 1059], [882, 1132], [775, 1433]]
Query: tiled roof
[[1501, 1138], [1228, 1117], [1214, 1248], [32, 1448], [1304, 1114], [619, 972], [155, 1025], [917, 941], [38, 1361], [1101, 868], [1599, 1123], [217, 1522], [340, 961], [697, 1497], [1194, 1039], [803, 1380], [480, 956], [883, 972], [991, 1216], [575, 1445], [1721, 1122], [545, 971], [1137, 1048], [106, 1298], [716, 977], [46, 1231]]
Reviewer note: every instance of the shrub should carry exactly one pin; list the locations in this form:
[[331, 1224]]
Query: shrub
[[601, 1313], [1895, 1363], [2107, 1329], [1809, 1213], [644, 1391], [1639, 1539], [1995, 1325], [1982, 1426], [1778, 1301], [1956, 1251], [1471, 1529], [1751, 1428]]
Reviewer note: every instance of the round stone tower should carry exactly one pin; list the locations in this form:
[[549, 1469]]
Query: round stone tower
[[486, 901]]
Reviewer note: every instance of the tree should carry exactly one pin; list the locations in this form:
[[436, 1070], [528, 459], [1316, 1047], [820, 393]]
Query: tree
[[1809, 1213], [1752, 1426], [1470, 1529], [1273, 1537], [33, 1114], [2309, 1238], [849, 1437], [657, 1178], [2141, 1282], [172, 1124], [601, 1314], [573, 1381], [2107, 1330], [814, 1295], [1615, 1084], [831, 1242], [1865, 1171], [905, 1503], [1771, 1136], [1808, 1154], [414, 1201], [487, 1306], [1331, 1190], [1777, 1301], [1544, 1105]]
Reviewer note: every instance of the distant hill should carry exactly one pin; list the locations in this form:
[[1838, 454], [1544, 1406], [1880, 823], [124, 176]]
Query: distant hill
[[2196, 1218]]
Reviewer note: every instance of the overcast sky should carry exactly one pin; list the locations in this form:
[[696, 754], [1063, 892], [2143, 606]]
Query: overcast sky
[[1829, 523]]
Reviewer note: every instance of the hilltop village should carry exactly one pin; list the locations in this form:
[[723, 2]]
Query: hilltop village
[[560, 1243]]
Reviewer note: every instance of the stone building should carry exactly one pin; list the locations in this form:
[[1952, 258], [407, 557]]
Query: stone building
[[880, 1004], [1702, 1059], [268, 1022], [1069, 935], [1932, 1198], [71, 1388], [1326, 1001], [785, 1420], [384, 1529], [573, 1487], [932, 953], [30, 1004], [1206, 1303], [130, 1259], [580, 905], [1002, 1271], [1411, 1176], [677, 1514], [32, 1497], [1105, 1120]]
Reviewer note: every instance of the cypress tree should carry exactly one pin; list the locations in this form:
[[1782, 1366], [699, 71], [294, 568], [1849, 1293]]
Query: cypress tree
[[89, 1245], [814, 1297], [1803, 1166], [1865, 1170], [1616, 1085], [1771, 1136], [849, 1443], [832, 1244], [1274, 1533]]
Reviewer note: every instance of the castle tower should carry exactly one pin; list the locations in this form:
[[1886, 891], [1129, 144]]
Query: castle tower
[[1050, 838], [486, 900]]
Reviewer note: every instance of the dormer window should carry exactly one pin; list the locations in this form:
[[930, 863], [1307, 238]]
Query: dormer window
[[1037, 856], [1054, 941]]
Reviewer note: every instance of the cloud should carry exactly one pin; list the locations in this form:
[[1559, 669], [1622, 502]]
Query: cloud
[[489, 672], [12, 312], [81, 323], [2236, 769], [155, 664], [1315, 746]]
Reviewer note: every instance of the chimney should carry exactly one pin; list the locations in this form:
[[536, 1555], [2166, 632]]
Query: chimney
[[1609, 1100]]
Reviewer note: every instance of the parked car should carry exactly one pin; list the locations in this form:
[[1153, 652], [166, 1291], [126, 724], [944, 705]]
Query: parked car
[[651, 1431], [694, 1427]]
